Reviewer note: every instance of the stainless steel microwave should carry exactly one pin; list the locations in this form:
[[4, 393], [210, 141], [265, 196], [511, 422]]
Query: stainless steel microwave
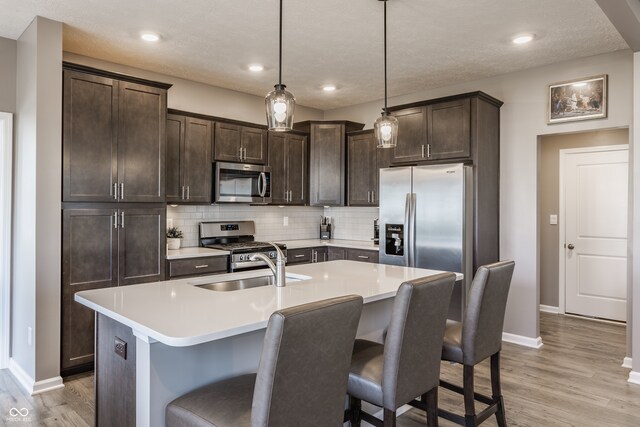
[[241, 183]]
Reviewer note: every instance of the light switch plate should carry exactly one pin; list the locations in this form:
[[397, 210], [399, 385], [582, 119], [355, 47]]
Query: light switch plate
[[553, 219]]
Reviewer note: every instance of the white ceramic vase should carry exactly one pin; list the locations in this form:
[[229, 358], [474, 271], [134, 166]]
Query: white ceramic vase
[[173, 243]]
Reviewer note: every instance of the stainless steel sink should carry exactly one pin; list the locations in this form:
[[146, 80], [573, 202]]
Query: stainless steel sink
[[251, 282]]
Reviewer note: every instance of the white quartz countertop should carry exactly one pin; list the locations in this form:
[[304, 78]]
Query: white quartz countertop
[[194, 252], [178, 313], [312, 243]]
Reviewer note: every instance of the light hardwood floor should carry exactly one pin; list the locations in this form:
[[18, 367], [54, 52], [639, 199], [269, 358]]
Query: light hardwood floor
[[575, 379]]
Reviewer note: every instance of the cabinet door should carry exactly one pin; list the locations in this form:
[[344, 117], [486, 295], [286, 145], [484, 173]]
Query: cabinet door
[[196, 161], [254, 144], [297, 169], [449, 129], [336, 253], [89, 261], [141, 245], [362, 169], [327, 166], [175, 141], [412, 135], [279, 171], [142, 142], [89, 137], [227, 142], [362, 255], [319, 254]]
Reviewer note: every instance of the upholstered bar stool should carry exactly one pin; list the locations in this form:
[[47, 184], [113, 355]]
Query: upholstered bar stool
[[478, 337], [301, 379], [408, 364]]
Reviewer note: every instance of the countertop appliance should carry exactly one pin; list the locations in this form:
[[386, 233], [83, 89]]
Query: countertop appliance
[[426, 221], [241, 183], [237, 237]]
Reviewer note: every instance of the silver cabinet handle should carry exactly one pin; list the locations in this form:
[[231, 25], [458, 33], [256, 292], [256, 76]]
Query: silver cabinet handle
[[368, 196], [313, 256], [240, 153], [188, 196], [182, 197], [363, 257], [245, 154], [122, 191], [373, 196], [324, 256], [428, 151], [121, 219], [115, 190], [115, 219], [422, 148], [201, 266], [299, 256]]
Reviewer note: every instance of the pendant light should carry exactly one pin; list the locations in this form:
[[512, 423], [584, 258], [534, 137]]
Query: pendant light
[[386, 127], [280, 103]]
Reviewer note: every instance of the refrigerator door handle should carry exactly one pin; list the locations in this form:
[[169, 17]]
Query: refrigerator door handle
[[408, 259], [412, 236]]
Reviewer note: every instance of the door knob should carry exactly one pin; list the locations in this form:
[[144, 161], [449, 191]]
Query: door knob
[[570, 246]]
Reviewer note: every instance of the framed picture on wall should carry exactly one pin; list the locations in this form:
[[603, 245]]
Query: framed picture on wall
[[582, 99]]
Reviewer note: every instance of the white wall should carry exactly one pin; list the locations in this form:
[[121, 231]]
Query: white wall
[[36, 212], [522, 121], [634, 319], [7, 75], [200, 98]]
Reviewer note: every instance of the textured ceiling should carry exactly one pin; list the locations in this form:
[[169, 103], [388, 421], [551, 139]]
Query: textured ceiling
[[431, 43]]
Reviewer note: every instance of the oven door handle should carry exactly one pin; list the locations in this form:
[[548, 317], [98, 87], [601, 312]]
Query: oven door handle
[[262, 189]]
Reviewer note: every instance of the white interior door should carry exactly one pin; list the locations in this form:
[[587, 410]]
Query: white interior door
[[595, 222]]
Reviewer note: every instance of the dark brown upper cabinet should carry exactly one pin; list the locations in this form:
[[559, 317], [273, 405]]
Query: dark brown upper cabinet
[[289, 170], [412, 135], [114, 137], [189, 145], [104, 247], [327, 160], [449, 130], [238, 143], [364, 163]]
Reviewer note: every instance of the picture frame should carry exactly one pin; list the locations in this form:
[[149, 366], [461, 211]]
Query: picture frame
[[582, 99]]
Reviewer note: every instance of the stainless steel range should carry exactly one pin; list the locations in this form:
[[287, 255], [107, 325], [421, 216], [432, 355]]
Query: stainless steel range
[[237, 238]]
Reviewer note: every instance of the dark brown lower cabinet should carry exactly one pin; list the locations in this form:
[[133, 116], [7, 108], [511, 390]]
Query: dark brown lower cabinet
[[307, 255], [351, 254], [180, 268], [335, 254], [115, 374], [104, 247]]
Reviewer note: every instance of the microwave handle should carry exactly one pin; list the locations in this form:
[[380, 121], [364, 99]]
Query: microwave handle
[[262, 189]]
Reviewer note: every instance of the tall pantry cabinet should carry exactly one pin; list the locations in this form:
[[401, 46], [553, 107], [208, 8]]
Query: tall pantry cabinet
[[113, 194]]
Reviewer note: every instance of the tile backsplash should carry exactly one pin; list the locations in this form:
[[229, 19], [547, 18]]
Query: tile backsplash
[[303, 221]]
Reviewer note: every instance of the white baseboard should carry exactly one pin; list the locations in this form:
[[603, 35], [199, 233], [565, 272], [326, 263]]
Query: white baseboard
[[626, 363], [634, 377], [522, 340], [549, 309], [33, 387]]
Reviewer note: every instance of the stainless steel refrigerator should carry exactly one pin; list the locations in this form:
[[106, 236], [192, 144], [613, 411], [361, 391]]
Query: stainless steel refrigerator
[[426, 221]]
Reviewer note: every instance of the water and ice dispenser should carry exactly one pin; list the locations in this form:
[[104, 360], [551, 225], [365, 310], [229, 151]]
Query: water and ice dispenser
[[394, 239]]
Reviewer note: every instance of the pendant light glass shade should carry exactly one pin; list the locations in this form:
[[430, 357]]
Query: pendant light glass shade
[[280, 105], [386, 131]]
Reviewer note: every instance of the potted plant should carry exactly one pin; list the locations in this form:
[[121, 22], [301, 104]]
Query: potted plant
[[173, 238]]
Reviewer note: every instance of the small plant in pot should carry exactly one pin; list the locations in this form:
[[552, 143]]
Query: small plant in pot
[[173, 238]]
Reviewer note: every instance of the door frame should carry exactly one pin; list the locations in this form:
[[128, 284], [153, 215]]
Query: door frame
[[564, 153], [6, 183]]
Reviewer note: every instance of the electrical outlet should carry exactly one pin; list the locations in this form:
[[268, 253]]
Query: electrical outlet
[[285, 221], [121, 348], [553, 219], [29, 335]]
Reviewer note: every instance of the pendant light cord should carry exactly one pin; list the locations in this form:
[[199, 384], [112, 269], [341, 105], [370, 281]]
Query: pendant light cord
[[385, 57], [280, 52]]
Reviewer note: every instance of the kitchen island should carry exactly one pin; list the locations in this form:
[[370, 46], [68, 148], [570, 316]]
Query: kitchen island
[[175, 336]]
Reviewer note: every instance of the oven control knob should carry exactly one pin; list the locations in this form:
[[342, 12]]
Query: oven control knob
[[272, 254], [241, 257]]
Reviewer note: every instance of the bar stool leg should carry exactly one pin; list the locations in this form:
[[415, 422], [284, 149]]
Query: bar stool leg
[[355, 407], [496, 390], [389, 418], [431, 400], [469, 401]]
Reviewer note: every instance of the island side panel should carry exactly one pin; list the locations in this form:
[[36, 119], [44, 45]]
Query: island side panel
[[115, 376]]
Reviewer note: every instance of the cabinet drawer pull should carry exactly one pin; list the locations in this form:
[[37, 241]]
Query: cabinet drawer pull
[[428, 151], [363, 257], [115, 190], [188, 197], [300, 256], [115, 219], [202, 266], [122, 191], [182, 193], [121, 219], [422, 148]]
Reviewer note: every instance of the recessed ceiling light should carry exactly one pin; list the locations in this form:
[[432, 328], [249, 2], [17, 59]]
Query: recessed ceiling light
[[523, 39], [150, 37], [256, 67], [328, 88]]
